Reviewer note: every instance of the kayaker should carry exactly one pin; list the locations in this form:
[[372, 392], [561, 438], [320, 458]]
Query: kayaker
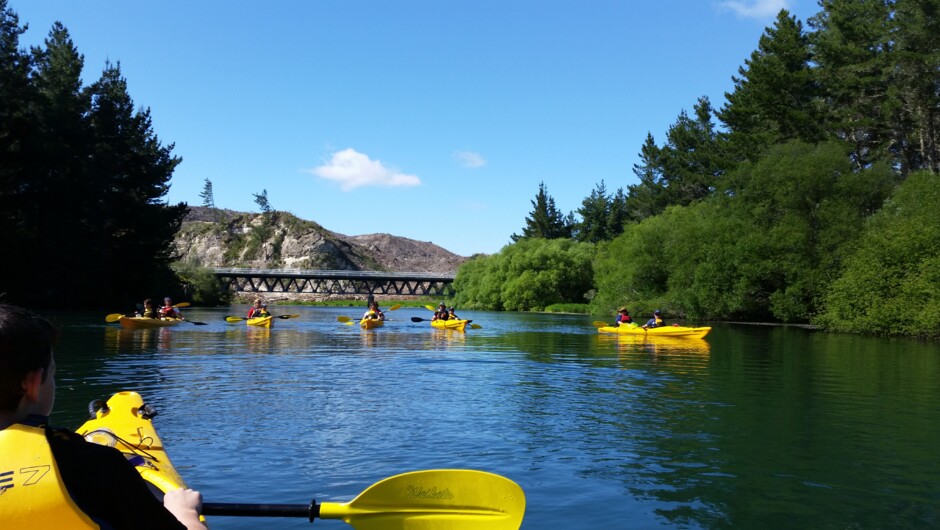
[[255, 309], [656, 321], [374, 312], [168, 311], [441, 313], [96, 486], [451, 315], [263, 312], [149, 311], [623, 317]]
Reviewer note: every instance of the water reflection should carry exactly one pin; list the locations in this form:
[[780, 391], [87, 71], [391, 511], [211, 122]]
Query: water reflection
[[750, 428], [656, 345]]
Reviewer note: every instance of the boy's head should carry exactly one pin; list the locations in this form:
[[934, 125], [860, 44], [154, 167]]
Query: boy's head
[[26, 342]]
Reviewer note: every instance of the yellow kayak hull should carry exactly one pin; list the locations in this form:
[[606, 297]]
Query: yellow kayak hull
[[148, 323], [665, 331], [371, 323], [460, 325], [262, 322], [125, 425]]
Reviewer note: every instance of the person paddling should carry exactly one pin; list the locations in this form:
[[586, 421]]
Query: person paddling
[[168, 311], [655, 322], [85, 485], [374, 312], [623, 317], [441, 313]]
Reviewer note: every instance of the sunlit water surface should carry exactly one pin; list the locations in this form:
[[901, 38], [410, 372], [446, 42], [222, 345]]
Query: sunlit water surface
[[753, 427]]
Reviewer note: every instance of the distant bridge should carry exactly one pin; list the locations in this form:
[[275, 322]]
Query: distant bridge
[[336, 282]]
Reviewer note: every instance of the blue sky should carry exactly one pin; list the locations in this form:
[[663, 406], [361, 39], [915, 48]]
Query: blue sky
[[432, 120]]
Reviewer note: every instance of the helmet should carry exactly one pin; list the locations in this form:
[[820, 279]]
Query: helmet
[[656, 312]]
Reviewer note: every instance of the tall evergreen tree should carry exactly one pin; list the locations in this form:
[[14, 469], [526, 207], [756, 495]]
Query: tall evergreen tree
[[775, 98], [618, 215], [852, 45], [595, 216], [918, 81], [58, 219], [16, 131], [647, 198], [206, 195], [545, 221], [687, 168], [132, 228]]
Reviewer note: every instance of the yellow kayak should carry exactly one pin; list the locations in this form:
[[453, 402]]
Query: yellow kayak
[[664, 331], [264, 322], [460, 325], [371, 323], [124, 423], [148, 323]]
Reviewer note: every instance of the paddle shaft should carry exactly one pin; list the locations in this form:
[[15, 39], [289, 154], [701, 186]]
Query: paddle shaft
[[310, 511]]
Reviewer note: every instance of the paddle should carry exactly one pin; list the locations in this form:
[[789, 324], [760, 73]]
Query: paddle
[[239, 319], [456, 499], [349, 321], [472, 326], [600, 324]]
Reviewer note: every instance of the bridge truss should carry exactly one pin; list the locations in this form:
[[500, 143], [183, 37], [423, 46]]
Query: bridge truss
[[335, 282]]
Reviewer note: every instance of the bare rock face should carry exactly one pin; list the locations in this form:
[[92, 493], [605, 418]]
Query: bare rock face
[[280, 240]]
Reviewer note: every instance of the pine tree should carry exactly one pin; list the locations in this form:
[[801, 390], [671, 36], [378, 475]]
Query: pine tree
[[545, 221], [132, 229], [852, 46], [595, 216], [775, 97], [206, 195]]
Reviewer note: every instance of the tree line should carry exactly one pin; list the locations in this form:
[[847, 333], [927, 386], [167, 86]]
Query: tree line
[[806, 197], [83, 177]]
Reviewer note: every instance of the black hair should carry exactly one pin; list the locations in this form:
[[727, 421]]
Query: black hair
[[26, 342]]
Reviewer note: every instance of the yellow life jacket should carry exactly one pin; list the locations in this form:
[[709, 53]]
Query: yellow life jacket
[[32, 494]]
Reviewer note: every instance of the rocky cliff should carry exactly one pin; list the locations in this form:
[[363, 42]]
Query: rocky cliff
[[279, 240]]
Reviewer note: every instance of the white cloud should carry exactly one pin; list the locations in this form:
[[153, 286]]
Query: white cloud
[[353, 169], [756, 8], [470, 159]]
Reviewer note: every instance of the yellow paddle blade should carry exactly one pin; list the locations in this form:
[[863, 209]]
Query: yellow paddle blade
[[113, 317], [446, 499], [394, 307], [430, 308], [181, 304], [599, 324], [343, 319], [234, 319], [350, 323], [476, 326]]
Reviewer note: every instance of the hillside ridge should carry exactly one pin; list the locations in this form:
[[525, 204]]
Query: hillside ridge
[[212, 237]]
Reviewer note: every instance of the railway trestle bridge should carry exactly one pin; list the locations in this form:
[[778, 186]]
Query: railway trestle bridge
[[335, 282]]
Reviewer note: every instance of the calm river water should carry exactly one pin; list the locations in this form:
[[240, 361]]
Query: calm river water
[[753, 427]]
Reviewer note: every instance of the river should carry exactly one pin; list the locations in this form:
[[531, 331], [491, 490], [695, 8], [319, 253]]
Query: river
[[752, 427]]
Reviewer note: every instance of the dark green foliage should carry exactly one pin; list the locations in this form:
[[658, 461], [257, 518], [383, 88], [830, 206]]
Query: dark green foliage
[[891, 284], [82, 176], [201, 285], [545, 221], [776, 97], [687, 168], [528, 275], [766, 251]]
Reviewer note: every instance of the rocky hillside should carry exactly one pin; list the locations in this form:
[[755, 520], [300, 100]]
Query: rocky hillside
[[280, 240]]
